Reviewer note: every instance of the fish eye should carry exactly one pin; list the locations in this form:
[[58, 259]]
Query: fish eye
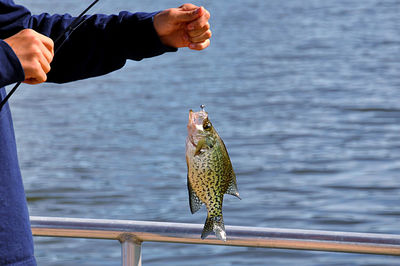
[[207, 126]]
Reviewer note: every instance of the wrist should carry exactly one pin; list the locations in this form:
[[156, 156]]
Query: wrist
[[142, 36]]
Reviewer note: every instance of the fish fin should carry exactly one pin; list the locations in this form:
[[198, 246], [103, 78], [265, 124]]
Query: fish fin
[[210, 142], [199, 146], [215, 224], [233, 189], [194, 201]]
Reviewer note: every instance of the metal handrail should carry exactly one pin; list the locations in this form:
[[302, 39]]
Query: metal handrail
[[132, 233]]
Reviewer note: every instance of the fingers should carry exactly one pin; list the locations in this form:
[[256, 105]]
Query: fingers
[[42, 49], [201, 21], [196, 31], [199, 31], [44, 63], [49, 44], [188, 6], [200, 46], [37, 72], [201, 38], [185, 15]]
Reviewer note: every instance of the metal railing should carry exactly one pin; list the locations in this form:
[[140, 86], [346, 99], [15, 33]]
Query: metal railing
[[132, 233]]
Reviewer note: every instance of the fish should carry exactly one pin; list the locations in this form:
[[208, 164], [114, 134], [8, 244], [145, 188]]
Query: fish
[[210, 173]]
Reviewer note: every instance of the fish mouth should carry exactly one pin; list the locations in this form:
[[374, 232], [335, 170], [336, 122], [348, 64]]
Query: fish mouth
[[191, 116], [195, 124], [197, 118], [190, 127]]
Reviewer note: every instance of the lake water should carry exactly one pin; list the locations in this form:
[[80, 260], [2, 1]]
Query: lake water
[[305, 94]]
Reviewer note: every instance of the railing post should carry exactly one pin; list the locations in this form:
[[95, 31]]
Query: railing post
[[131, 251]]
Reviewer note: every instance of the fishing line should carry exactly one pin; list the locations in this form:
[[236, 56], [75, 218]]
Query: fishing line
[[58, 42]]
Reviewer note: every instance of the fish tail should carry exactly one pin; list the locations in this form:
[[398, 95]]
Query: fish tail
[[216, 224]]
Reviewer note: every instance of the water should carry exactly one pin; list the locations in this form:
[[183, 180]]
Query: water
[[305, 95]]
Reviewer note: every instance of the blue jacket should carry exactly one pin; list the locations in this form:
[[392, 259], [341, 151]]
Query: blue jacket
[[100, 45]]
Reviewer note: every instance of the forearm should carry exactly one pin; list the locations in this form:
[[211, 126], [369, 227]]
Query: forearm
[[101, 44]]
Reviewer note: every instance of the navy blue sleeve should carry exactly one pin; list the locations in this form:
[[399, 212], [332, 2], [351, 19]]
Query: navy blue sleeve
[[101, 44], [10, 69]]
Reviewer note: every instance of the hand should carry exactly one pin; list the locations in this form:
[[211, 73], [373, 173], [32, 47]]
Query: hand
[[35, 52], [186, 26]]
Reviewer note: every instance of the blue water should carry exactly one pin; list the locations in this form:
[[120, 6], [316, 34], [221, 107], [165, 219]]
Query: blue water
[[305, 94]]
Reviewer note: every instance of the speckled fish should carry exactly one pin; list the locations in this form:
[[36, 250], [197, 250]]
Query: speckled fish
[[210, 173]]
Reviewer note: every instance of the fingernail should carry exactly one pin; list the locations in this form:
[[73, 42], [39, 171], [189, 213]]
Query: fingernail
[[192, 46]]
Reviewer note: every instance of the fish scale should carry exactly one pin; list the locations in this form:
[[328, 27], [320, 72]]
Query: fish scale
[[210, 172]]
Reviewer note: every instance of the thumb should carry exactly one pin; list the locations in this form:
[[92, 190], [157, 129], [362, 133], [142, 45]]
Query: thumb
[[189, 15]]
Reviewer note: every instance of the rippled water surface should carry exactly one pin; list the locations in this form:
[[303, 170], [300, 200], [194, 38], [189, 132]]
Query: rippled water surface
[[305, 94]]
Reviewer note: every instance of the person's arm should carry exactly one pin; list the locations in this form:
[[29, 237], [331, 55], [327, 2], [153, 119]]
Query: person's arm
[[102, 43]]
